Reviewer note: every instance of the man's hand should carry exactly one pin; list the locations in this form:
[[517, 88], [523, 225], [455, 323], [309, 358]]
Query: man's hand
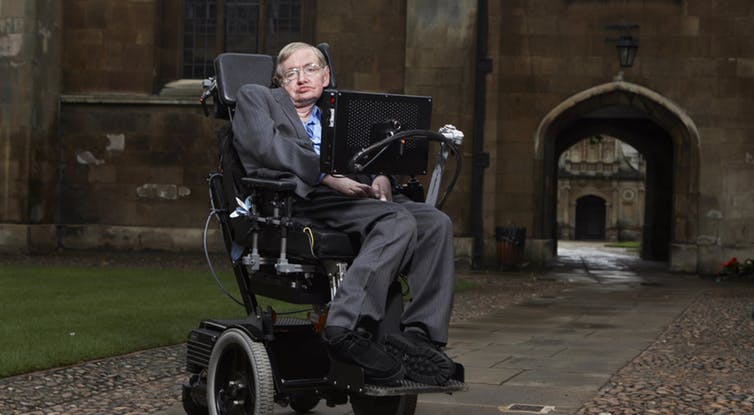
[[347, 186], [381, 188]]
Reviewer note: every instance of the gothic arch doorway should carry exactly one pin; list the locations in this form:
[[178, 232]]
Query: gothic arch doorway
[[590, 218], [657, 128]]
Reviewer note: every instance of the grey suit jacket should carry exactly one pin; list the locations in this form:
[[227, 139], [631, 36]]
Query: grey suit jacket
[[271, 140]]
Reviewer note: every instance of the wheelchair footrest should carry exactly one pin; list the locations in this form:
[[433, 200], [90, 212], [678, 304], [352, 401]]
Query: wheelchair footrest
[[409, 387], [351, 379]]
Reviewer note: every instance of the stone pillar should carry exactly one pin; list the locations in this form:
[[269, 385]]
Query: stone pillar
[[30, 33], [440, 39]]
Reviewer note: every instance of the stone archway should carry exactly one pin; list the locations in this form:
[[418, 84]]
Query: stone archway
[[654, 125]]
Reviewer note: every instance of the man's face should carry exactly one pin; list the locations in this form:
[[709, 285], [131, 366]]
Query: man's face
[[305, 88]]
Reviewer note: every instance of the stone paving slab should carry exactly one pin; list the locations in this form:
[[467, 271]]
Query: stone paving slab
[[558, 378], [563, 399], [554, 352], [490, 376]]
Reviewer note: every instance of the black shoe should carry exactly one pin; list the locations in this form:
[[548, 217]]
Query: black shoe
[[358, 348], [425, 362]]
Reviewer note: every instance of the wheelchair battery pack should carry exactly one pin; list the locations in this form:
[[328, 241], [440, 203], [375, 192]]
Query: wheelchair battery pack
[[352, 121], [202, 340], [297, 353]]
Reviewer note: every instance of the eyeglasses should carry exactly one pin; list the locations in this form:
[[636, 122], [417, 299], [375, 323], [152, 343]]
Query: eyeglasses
[[307, 70]]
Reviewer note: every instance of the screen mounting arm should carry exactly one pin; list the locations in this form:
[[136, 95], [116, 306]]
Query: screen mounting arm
[[449, 137], [456, 136]]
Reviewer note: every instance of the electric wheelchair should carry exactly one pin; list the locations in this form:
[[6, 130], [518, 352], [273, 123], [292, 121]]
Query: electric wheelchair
[[249, 365]]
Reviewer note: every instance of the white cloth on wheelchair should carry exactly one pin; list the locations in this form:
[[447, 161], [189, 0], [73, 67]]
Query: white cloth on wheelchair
[[243, 209]]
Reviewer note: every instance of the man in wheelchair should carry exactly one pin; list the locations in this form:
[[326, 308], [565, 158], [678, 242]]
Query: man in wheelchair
[[277, 133]]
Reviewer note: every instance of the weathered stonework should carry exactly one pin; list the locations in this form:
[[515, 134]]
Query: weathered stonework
[[600, 191], [690, 58], [135, 161], [29, 91], [86, 141]]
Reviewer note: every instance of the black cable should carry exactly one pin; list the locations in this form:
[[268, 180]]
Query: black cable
[[219, 283], [358, 168], [372, 159], [383, 144]]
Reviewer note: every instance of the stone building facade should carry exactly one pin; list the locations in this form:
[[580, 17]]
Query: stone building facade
[[102, 146], [600, 191]]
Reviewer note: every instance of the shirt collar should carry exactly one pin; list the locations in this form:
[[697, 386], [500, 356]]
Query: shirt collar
[[315, 116]]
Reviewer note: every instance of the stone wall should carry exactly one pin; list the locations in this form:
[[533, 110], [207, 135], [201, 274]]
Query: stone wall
[[139, 163], [368, 41], [444, 69], [133, 163], [16, 53], [29, 69], [552, 66], [694, 53], [110, 46]]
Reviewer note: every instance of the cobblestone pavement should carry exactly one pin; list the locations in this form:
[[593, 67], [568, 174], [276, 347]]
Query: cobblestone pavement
[[138, 383], [702, 364]]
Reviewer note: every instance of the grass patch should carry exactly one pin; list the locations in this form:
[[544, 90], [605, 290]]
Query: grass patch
[[633, 245], [56, 316], [52, 316], [465, 285]]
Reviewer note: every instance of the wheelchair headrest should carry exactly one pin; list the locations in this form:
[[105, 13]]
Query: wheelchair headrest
[[325, 49], [234, 70]]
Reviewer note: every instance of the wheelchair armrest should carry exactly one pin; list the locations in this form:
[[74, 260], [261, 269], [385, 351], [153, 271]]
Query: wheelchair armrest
[[278, 185]]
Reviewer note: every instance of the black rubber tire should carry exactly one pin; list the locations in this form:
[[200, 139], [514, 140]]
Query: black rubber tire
[[384, 405], [190, 406], [304, 402], [239, 376]]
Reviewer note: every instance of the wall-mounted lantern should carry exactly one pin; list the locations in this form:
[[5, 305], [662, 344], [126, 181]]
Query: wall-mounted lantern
[[626, 44], [627, 47]]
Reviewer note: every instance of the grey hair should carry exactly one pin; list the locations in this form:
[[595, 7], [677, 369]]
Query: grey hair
[[289, 50]]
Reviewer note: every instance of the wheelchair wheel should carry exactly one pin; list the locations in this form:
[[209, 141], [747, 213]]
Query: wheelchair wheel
[[304, 402], [384, 405], [239, 377]]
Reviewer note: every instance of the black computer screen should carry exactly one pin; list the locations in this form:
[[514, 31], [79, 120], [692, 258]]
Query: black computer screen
[[352, 121]]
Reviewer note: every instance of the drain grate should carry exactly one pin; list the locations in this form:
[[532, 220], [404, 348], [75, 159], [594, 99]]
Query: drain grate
[[536, 409]]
